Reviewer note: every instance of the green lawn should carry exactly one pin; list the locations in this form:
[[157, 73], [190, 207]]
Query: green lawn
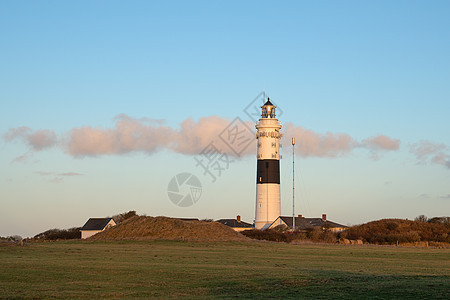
[[222, 270]]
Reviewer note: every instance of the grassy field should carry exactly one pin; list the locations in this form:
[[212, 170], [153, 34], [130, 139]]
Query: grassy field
[[170, 269]]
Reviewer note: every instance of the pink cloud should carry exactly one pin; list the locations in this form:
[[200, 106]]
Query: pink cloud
[[56, 177], [426, 151], [41, 139], [70, 174], [381, 142], [43, 173], [37, 140], [56, 180], [191, 137], [23, 158], [14, 133], [311, 143], [129, 135], [425, 148]]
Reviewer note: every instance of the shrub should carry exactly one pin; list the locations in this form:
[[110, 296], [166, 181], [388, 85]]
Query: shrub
[[391, 231], [281, 228], [268, 235], [442, 220], [123, 216], [207, 220], [63, 234], [280, 234]]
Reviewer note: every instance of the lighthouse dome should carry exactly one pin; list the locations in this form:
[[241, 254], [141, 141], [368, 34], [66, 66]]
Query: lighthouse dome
[[268, 110]]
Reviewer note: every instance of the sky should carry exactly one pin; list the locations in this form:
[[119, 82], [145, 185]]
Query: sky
[[104, 102]]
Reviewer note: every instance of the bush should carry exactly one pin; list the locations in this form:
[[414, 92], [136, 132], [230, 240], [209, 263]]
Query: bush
[[280, 234], [391, 231], [207, 220], [319, 235], [123, 216], [281, 228], [441, 220], [268, 235], [63, 234]]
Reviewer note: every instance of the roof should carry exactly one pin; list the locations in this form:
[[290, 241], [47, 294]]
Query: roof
[[307, 223], [268, 103], [96, 224], [234, 223]]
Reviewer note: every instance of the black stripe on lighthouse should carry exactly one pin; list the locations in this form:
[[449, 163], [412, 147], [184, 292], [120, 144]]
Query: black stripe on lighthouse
[[268, 171]]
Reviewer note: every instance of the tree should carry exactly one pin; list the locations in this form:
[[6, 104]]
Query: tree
[[421, 218], [16, 238]]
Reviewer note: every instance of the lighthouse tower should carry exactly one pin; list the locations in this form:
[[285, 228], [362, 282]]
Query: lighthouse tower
[[268, 204]]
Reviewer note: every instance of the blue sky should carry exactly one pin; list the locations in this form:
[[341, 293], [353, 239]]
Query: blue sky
[[354, 68]]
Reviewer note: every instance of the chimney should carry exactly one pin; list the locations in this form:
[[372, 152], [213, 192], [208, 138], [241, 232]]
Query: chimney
[[300, 216], [324, 217], [238, 218]]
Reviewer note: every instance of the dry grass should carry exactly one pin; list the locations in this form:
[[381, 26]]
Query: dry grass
[[153, 228]]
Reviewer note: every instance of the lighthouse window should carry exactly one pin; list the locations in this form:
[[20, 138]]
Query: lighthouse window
[[264, 112]]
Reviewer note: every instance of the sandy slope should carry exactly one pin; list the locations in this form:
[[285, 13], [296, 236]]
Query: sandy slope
[[148, 228]]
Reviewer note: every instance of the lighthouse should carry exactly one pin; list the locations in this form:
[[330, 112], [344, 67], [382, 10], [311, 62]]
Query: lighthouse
[[268, 201]]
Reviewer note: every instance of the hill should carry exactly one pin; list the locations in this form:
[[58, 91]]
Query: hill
[[151, 228]]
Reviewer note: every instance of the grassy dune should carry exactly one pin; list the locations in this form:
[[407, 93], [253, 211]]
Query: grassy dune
[[222, 270]]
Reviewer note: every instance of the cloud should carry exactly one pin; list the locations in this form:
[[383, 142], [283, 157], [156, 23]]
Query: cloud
[[424, 196], [56, 177], [70, 174], [41, 139], [310, 143], [42, 173], [14, 133], [144, 135], [381, 142], [24, 158], [128, 135], [191, 137], [21, 158], [428, 152], [37, 140], [424, 149], [56, 180]]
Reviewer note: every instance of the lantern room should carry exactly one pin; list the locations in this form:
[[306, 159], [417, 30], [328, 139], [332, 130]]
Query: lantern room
[[268, 110]]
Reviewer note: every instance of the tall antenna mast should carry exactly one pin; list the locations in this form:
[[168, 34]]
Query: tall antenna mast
[[293, 185]]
